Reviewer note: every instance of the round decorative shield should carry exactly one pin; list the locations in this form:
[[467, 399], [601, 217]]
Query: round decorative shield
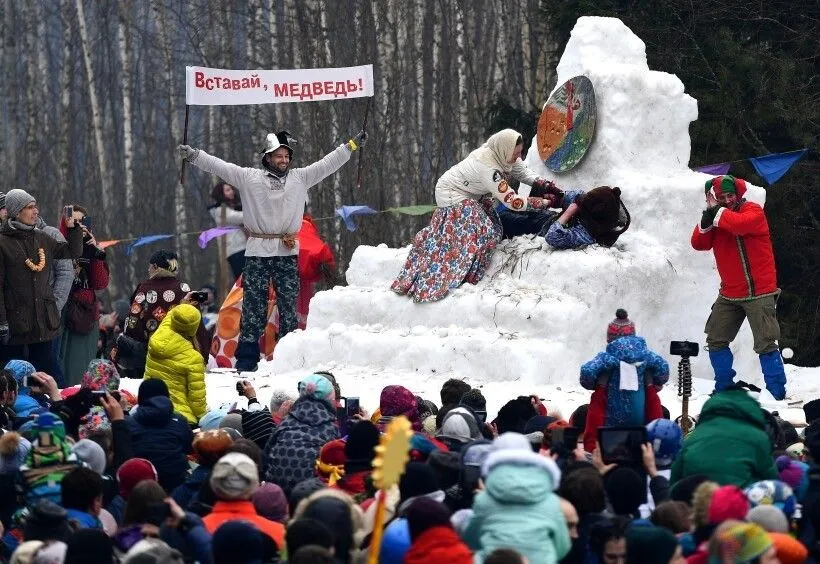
[[567, 124]]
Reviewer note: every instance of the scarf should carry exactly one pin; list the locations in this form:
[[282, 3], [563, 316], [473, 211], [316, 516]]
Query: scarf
[[14, 224], [497, 150]]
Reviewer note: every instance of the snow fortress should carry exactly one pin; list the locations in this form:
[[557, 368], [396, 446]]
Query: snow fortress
[[540, 313]]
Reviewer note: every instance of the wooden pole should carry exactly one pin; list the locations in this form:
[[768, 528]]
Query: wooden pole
[[361, 150], [224, 284], [184, 142]]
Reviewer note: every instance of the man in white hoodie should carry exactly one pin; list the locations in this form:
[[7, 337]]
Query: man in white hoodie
[[273, 201]]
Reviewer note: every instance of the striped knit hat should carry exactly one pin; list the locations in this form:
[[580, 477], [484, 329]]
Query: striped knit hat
[[621, 326]]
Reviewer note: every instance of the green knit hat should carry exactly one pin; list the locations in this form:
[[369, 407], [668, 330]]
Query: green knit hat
[[738, 542], [650, 545]]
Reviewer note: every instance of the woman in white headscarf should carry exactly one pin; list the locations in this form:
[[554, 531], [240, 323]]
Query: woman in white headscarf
[[464, 230]]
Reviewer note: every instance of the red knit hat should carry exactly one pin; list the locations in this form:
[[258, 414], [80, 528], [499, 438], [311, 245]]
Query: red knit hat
[[621, 326], [132, 472], [728, 502], [330, 466]]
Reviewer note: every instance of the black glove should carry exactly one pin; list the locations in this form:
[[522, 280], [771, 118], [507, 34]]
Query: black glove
[[4, 334], [541, 187], [357, 140], [708, 217]]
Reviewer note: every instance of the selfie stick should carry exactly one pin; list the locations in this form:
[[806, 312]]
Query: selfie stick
[[685, 392]]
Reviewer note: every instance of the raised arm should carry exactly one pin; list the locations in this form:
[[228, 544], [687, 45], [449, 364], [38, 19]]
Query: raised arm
[[234, 175]]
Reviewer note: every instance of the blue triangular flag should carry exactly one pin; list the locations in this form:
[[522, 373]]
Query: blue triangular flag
[[347, 213], [773, 167], [144, 241]]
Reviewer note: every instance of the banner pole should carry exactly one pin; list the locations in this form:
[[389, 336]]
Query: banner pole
[[184, 142], [361, 150]]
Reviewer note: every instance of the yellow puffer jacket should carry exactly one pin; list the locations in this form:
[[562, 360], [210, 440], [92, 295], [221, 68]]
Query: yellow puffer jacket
[[173, 359]]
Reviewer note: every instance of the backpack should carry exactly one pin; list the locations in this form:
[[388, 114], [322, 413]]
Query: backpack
[[48, 461]]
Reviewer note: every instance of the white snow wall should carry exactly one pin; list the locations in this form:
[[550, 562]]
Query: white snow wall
[[539, 313]]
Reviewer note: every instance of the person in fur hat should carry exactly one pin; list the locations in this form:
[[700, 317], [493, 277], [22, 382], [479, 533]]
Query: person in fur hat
[[273, 201], [737, 233]]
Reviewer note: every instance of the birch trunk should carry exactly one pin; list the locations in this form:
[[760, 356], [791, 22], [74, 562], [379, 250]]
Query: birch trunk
[[97, 121], [124, 44], [175, 133]]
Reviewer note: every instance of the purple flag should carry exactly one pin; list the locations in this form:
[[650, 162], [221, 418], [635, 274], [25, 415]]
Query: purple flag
[[206, 236], [718, 169]]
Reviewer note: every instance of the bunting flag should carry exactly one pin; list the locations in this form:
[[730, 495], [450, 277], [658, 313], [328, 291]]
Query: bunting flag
[[770, 167], [348, 212], [773, 167], [718, 169], [206, 236], [413, 210], [146, 240]]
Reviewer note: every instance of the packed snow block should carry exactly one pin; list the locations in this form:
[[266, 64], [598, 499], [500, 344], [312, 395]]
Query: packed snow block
[[539, 313]]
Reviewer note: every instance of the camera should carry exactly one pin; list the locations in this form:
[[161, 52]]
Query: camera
[[684, 348], [68, 211], [240, 387], [199, 296]]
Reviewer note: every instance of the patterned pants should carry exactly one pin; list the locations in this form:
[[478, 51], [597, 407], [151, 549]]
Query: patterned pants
[[255, 277]]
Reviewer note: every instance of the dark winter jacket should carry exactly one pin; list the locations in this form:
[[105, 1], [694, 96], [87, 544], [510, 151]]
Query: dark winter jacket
[[162, 437], [189, 490], [150, 303], [27, 302], [291, 452], [729, 444]]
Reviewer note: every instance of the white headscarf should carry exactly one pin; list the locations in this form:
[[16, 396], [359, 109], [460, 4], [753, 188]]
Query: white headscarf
[[498, 150]]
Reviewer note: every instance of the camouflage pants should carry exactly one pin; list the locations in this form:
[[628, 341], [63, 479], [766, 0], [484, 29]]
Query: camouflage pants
[[257, 273]]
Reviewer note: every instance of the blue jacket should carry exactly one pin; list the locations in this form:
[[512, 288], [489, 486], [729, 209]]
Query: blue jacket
[[625, 407], [83, 519], [162, 437], [26, 405], [518, 510], [570, 236]]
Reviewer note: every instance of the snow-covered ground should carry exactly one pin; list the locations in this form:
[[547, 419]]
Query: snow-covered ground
[[539, 313]]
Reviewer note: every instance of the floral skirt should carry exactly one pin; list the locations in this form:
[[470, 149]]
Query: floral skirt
[[456, 247]]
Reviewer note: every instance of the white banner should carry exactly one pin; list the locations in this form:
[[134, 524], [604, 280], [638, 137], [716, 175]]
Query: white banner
[[224, 87]]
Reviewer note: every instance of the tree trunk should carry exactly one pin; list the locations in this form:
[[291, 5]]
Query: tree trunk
[[97, 123]]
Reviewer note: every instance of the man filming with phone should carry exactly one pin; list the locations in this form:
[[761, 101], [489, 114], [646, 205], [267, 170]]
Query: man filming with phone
[[738, 234]]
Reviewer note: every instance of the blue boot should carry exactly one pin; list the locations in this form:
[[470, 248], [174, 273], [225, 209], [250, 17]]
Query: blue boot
[[774, 374], [247, 356], [721, 360]]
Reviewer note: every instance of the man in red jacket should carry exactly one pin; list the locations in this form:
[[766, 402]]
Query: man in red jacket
[[738, 234]]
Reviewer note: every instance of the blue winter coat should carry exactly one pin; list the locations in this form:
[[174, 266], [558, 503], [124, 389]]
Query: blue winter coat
[[518, 509], [291, 452], [162, 437], [573, 235], [625, 407]]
